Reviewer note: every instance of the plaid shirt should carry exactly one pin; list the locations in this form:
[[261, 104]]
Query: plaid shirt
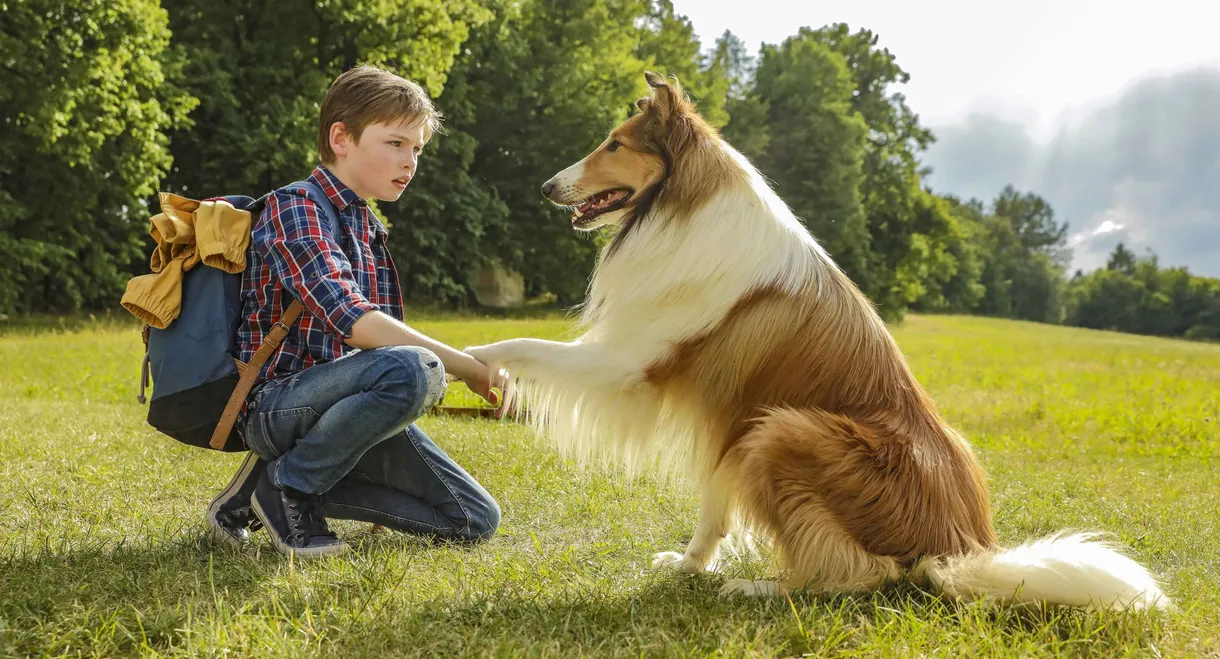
[[337, 280]]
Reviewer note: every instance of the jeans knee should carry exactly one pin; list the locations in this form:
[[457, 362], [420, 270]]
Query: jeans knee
[[484, 523], [404, 366]]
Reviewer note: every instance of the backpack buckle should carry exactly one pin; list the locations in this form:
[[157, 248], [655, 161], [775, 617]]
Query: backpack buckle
[[281, 326]]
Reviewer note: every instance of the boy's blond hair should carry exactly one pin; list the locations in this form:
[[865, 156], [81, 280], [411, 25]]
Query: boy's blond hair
[[365, 95]]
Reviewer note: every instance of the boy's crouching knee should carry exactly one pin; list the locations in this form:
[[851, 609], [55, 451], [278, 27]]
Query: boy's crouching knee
[[483, 523], [419, 370]]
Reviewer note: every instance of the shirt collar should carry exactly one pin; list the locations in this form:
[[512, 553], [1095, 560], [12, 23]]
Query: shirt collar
[[341, 195]]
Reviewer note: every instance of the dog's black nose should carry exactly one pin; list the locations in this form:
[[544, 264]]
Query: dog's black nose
[[547, 187]]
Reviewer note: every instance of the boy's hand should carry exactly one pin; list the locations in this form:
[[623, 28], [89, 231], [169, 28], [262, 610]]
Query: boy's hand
[[484, 380], [501, 377]]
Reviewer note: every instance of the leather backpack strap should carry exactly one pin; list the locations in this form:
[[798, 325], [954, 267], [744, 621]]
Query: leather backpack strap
[[245, 382]]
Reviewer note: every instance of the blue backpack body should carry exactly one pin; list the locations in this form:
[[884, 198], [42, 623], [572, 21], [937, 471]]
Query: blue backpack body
[[193, 362]]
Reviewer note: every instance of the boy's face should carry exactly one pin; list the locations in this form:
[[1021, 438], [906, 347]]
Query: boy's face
[[382, 163]]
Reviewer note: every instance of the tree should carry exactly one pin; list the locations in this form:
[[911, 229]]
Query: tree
[[1024, 259], [1033, 220], [88, 98], [441, 226], [542, 85], [536, 88], [1134, 294], [1106, 299], [261, 78], [957, 285], [668, 45], [1122, 260], [747, 128], [908, 251], [816, 148], [895, 136], [1204, 319]]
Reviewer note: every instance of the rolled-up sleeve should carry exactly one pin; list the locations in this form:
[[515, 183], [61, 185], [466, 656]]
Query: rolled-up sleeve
[[309, 263]]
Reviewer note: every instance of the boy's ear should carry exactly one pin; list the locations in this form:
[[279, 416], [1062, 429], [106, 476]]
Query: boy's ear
[[340, 139]]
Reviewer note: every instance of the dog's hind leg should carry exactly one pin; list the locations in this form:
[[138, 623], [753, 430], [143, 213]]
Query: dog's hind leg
[[785, 462], [817, 557], [823, 562], [715, 520]]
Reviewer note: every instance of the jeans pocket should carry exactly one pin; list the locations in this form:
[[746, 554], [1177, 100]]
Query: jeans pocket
[[280, 429]]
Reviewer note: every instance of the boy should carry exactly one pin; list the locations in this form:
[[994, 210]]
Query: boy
[[329, 425]]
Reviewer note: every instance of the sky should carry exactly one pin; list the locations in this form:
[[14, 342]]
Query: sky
[[1112, 115]]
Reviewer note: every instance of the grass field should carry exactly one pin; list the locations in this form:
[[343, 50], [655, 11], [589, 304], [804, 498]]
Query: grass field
[[103, 548]]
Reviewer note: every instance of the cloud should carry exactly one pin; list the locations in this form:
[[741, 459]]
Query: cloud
[[1143, 169], [1107, 226]]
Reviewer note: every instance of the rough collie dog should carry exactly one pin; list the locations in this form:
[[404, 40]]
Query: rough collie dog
[[720, 337]]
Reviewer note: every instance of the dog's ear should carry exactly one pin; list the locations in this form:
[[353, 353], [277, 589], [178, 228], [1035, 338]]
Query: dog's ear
[[669, 122], [667, 97]]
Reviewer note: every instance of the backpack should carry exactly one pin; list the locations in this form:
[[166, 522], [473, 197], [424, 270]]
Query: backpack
[[198, 383]]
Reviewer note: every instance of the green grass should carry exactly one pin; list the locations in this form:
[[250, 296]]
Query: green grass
[[103, 550]]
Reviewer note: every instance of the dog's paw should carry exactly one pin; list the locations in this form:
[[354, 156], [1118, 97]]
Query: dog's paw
[[678, 562], [747, 588], [501, 354], [486, 353]]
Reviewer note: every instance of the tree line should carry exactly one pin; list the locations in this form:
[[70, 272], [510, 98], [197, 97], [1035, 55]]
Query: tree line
[[106, 102]]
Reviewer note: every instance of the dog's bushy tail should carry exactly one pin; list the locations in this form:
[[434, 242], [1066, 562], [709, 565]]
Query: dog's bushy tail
[[1073, 569]]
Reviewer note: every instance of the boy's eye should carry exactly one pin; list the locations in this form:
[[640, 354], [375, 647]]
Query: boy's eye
[[395, 143], [613, 145]]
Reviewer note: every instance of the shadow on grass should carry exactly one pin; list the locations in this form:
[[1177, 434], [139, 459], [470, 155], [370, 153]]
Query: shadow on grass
[[684, 615], [118, 598], [145, 596]]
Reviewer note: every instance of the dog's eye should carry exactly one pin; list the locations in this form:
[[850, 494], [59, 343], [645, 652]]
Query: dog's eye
[[614, 145]]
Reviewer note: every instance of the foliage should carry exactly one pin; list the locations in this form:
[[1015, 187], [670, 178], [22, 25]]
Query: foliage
[[551, 106], [1133, 294], [1024, 257], [816, 147], [88, 98], [261, 76], [561, 75], [101, 98]]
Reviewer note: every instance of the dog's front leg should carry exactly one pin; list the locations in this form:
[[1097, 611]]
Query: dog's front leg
[[715, 521], [577, 365]]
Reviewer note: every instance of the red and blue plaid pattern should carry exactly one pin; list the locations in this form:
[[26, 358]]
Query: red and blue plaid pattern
[[338, 279]]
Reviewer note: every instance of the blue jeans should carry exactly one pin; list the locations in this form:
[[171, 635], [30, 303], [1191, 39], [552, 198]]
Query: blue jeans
[[344, 429]]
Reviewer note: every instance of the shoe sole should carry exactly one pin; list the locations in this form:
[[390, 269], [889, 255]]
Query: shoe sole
[[285, 549], [230, 490], [221, 534]]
